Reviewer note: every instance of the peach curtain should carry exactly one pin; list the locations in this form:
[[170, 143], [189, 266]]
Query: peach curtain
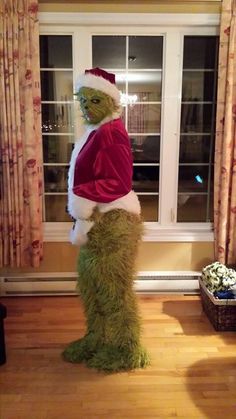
[[225, 152], [20, 135]]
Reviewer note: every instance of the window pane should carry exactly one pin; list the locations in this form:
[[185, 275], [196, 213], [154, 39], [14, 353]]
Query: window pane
[[193, 208], [145, 52], [56, 51], [149, 207], [57, 118], [198, 85], [55, 178], [197, 118], [193, 178], [146, 178], [120, 80], [109, 51], [57, 148], [145, 149], [57, 85], [145, 84], [195, 148], [144, 118], [123, 115], [200, 51], [55, 208]]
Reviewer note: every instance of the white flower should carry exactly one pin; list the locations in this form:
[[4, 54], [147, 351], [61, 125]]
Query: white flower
[[212, 274], [221, 271], [217, 277]]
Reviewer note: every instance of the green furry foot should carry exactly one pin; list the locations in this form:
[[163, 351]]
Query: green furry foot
[[112, 359], [80, 350]]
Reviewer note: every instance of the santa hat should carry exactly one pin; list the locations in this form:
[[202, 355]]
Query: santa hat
[[99, 79]]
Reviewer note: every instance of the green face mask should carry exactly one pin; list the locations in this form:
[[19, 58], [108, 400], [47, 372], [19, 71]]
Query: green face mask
[[95, 105]]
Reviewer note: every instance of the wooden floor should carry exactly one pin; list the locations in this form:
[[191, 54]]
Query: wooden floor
[[192, 374]]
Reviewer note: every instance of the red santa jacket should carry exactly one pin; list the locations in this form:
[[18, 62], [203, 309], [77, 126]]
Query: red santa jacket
[[101, 172], [104, 169]]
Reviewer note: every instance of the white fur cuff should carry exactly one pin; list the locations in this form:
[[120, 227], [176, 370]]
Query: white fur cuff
[[79, 207]]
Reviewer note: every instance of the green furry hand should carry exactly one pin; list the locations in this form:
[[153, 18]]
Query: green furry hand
[[79, 231]]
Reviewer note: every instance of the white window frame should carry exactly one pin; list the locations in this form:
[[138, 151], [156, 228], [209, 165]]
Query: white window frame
[[174, 27]]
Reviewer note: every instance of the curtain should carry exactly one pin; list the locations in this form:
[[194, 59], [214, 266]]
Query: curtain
[[20, 135], [225, 151]]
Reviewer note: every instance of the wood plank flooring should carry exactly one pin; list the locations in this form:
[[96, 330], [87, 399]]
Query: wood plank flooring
[[192, 373]]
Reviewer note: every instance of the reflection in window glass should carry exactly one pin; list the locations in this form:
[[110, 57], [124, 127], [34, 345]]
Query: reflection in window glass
[[55, 51], [120, 80], [57, 148], [195, 148], [200, 52], [109, 51], [144, 118], [193, 178], [145, 149], [146, 178], [149, 206], [123, 116], [145, 52], [197, 117], [198, 86], [56, 208], [146, 85], [57, 85], [55, 178], [57, 118], [193, 208]]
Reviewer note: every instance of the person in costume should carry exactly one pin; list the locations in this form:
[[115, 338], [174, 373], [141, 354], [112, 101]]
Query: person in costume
[[107, 228]]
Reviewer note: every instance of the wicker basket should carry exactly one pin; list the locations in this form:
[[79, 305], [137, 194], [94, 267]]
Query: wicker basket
[[221, 313]]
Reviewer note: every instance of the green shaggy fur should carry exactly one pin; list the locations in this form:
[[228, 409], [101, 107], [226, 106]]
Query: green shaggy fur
[[106, 268]]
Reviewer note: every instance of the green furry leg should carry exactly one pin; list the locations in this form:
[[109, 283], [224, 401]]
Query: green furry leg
[[106, 272], [114, 359], [81, 350], [84, 348]]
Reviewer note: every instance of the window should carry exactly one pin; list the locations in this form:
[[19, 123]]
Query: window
[[57, 121], [167, 77], [137, 63], [197, 130]]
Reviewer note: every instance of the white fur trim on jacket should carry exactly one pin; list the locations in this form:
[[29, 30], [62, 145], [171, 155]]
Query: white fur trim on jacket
[[77, 147], [127, 202], [78, 234], [80, 207], [98, 83]]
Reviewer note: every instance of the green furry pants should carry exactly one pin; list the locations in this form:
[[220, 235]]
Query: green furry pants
[[106, 268]]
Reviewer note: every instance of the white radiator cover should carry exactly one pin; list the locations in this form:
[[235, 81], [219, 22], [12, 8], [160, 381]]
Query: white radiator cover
[[64, 283]]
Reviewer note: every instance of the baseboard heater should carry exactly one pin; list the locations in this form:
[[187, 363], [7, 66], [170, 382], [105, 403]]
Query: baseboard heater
[[64, 283]]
